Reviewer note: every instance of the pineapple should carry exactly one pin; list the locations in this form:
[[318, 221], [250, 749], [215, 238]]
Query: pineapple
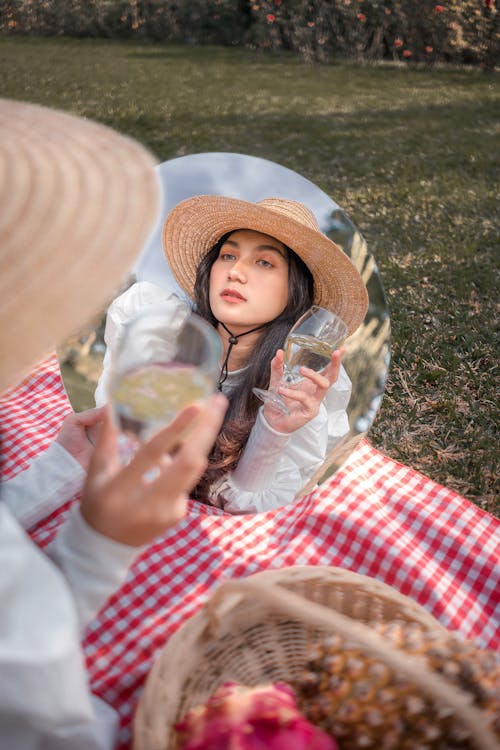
[[357, 699]]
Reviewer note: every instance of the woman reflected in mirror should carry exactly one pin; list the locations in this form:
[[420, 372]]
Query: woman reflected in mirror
[[251, 270]]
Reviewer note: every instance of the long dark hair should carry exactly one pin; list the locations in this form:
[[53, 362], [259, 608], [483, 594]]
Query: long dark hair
[[243, 405]]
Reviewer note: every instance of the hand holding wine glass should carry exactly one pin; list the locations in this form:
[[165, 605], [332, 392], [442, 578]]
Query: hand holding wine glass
[[162, 364], [309, 366], [134, 504]]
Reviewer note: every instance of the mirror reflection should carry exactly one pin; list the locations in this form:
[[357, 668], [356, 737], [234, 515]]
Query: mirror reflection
[[253, 179]]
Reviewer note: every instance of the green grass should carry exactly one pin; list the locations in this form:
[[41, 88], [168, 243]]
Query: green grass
[[410, 154]]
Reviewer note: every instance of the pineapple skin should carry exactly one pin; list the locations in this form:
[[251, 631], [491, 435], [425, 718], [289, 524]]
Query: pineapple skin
[[358, 700]]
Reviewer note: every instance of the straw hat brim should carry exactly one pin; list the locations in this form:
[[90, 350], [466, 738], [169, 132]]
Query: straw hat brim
[[197, 223], [77, 201]]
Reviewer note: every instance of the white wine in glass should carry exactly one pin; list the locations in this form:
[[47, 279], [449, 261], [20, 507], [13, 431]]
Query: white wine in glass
[[162, 364], [310, 343]]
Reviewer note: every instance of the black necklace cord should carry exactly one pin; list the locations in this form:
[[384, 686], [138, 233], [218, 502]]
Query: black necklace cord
[[233, 340]]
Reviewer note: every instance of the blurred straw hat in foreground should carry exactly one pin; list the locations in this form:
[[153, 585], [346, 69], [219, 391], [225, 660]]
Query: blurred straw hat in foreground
[[77, 201]]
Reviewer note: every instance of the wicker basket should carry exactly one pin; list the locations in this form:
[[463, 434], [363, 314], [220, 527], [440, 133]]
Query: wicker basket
[[258, 629]]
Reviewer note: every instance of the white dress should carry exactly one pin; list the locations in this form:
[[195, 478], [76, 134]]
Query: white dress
[[45, 701], [274, 466]]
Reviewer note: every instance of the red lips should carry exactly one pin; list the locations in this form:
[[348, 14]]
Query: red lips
[[232, 294]]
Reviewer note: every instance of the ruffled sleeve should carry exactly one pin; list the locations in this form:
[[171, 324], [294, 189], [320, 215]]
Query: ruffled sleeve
[[275, 466]]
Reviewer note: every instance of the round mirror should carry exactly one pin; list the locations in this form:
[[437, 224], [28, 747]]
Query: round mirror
[[251, 178]]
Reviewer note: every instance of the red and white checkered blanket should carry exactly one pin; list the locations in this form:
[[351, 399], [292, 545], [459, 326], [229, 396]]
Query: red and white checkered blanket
[[374, 516]]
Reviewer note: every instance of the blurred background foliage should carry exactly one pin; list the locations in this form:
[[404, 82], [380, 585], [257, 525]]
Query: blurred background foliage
[[457, 31]]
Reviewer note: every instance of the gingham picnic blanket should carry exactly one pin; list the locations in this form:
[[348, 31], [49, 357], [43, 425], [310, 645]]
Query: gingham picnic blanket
[[374, 516]]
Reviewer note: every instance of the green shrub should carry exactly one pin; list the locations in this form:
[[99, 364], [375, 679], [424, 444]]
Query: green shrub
[[457, 31]]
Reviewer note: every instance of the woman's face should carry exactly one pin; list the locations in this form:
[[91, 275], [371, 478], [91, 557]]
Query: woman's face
[[249, 280]]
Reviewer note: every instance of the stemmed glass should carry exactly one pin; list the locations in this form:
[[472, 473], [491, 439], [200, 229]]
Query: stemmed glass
[[163, 363], [310, 343]]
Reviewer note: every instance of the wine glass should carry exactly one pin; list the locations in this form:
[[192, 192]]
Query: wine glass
[[164, 361], [310, 343]]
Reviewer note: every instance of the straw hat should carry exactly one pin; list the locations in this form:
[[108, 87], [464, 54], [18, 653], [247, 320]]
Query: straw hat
[[196, 224], [77, 201]]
